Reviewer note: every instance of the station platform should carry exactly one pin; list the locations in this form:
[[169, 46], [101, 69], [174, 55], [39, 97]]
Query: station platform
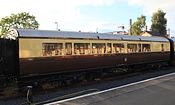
[[155, 91]]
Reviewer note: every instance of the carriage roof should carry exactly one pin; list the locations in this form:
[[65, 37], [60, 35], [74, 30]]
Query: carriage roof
[[80, 35]]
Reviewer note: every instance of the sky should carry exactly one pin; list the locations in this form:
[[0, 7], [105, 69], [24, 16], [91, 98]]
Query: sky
[[89, 15]]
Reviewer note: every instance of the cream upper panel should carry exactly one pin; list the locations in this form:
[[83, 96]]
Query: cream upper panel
[[33, 47], [30, 48], [159, 46]]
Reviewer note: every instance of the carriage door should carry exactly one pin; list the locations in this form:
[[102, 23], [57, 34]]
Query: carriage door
[[162, 47]]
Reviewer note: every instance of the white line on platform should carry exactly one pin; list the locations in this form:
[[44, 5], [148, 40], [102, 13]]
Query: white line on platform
[[90, 94]]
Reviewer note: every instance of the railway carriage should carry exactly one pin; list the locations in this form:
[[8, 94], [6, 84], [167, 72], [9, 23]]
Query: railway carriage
[[42, 52]]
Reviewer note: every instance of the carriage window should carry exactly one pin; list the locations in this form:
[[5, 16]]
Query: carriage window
[[118, 48], [132, 48], [68, 48], [98, 48], [82, 48], [52, 49], [146, 48], [109, 48]]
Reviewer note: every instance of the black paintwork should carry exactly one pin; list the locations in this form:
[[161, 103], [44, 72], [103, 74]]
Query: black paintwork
[[9, 57]]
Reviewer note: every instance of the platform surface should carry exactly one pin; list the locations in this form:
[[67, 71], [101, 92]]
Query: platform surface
[[155, 91]]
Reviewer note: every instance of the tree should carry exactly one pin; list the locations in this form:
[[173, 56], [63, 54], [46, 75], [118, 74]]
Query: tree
[[20, 20], [159, 22], [137, 26]]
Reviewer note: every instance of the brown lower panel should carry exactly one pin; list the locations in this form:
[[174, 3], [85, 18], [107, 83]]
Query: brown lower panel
[[45, 65]]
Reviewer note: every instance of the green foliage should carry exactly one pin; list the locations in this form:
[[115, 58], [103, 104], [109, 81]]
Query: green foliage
[[137, 26], [159, 22], [20, 20]]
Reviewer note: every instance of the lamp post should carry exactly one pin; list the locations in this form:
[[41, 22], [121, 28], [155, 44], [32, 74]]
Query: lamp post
[[56, 25]]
